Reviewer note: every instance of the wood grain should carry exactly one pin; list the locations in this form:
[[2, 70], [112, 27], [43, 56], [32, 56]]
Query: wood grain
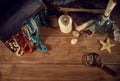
[[81, 10], [63, 61], [28, 72]]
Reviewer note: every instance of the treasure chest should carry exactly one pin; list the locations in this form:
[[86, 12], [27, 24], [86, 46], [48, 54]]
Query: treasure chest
[[15, 14]]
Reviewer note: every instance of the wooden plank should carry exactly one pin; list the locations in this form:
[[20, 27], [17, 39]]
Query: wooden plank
[[28, 72], [81, 10], [61, 51], [93, 43], [73, 54]]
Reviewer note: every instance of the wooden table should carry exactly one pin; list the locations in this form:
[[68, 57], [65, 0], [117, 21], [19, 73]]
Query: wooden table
[[63, 61]]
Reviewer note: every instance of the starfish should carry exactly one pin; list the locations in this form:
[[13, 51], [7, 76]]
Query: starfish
[[106, 45]]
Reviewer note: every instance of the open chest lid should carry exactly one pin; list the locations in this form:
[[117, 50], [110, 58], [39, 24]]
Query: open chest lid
[[12, 18]]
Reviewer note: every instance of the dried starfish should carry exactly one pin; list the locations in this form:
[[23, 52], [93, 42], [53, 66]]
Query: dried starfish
[[106, 45]]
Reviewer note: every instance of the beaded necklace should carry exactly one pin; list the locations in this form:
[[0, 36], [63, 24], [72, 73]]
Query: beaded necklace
[[33, 31]]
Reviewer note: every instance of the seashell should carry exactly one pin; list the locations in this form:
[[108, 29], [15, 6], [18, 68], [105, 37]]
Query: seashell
[[74, 41], [75, 33]]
